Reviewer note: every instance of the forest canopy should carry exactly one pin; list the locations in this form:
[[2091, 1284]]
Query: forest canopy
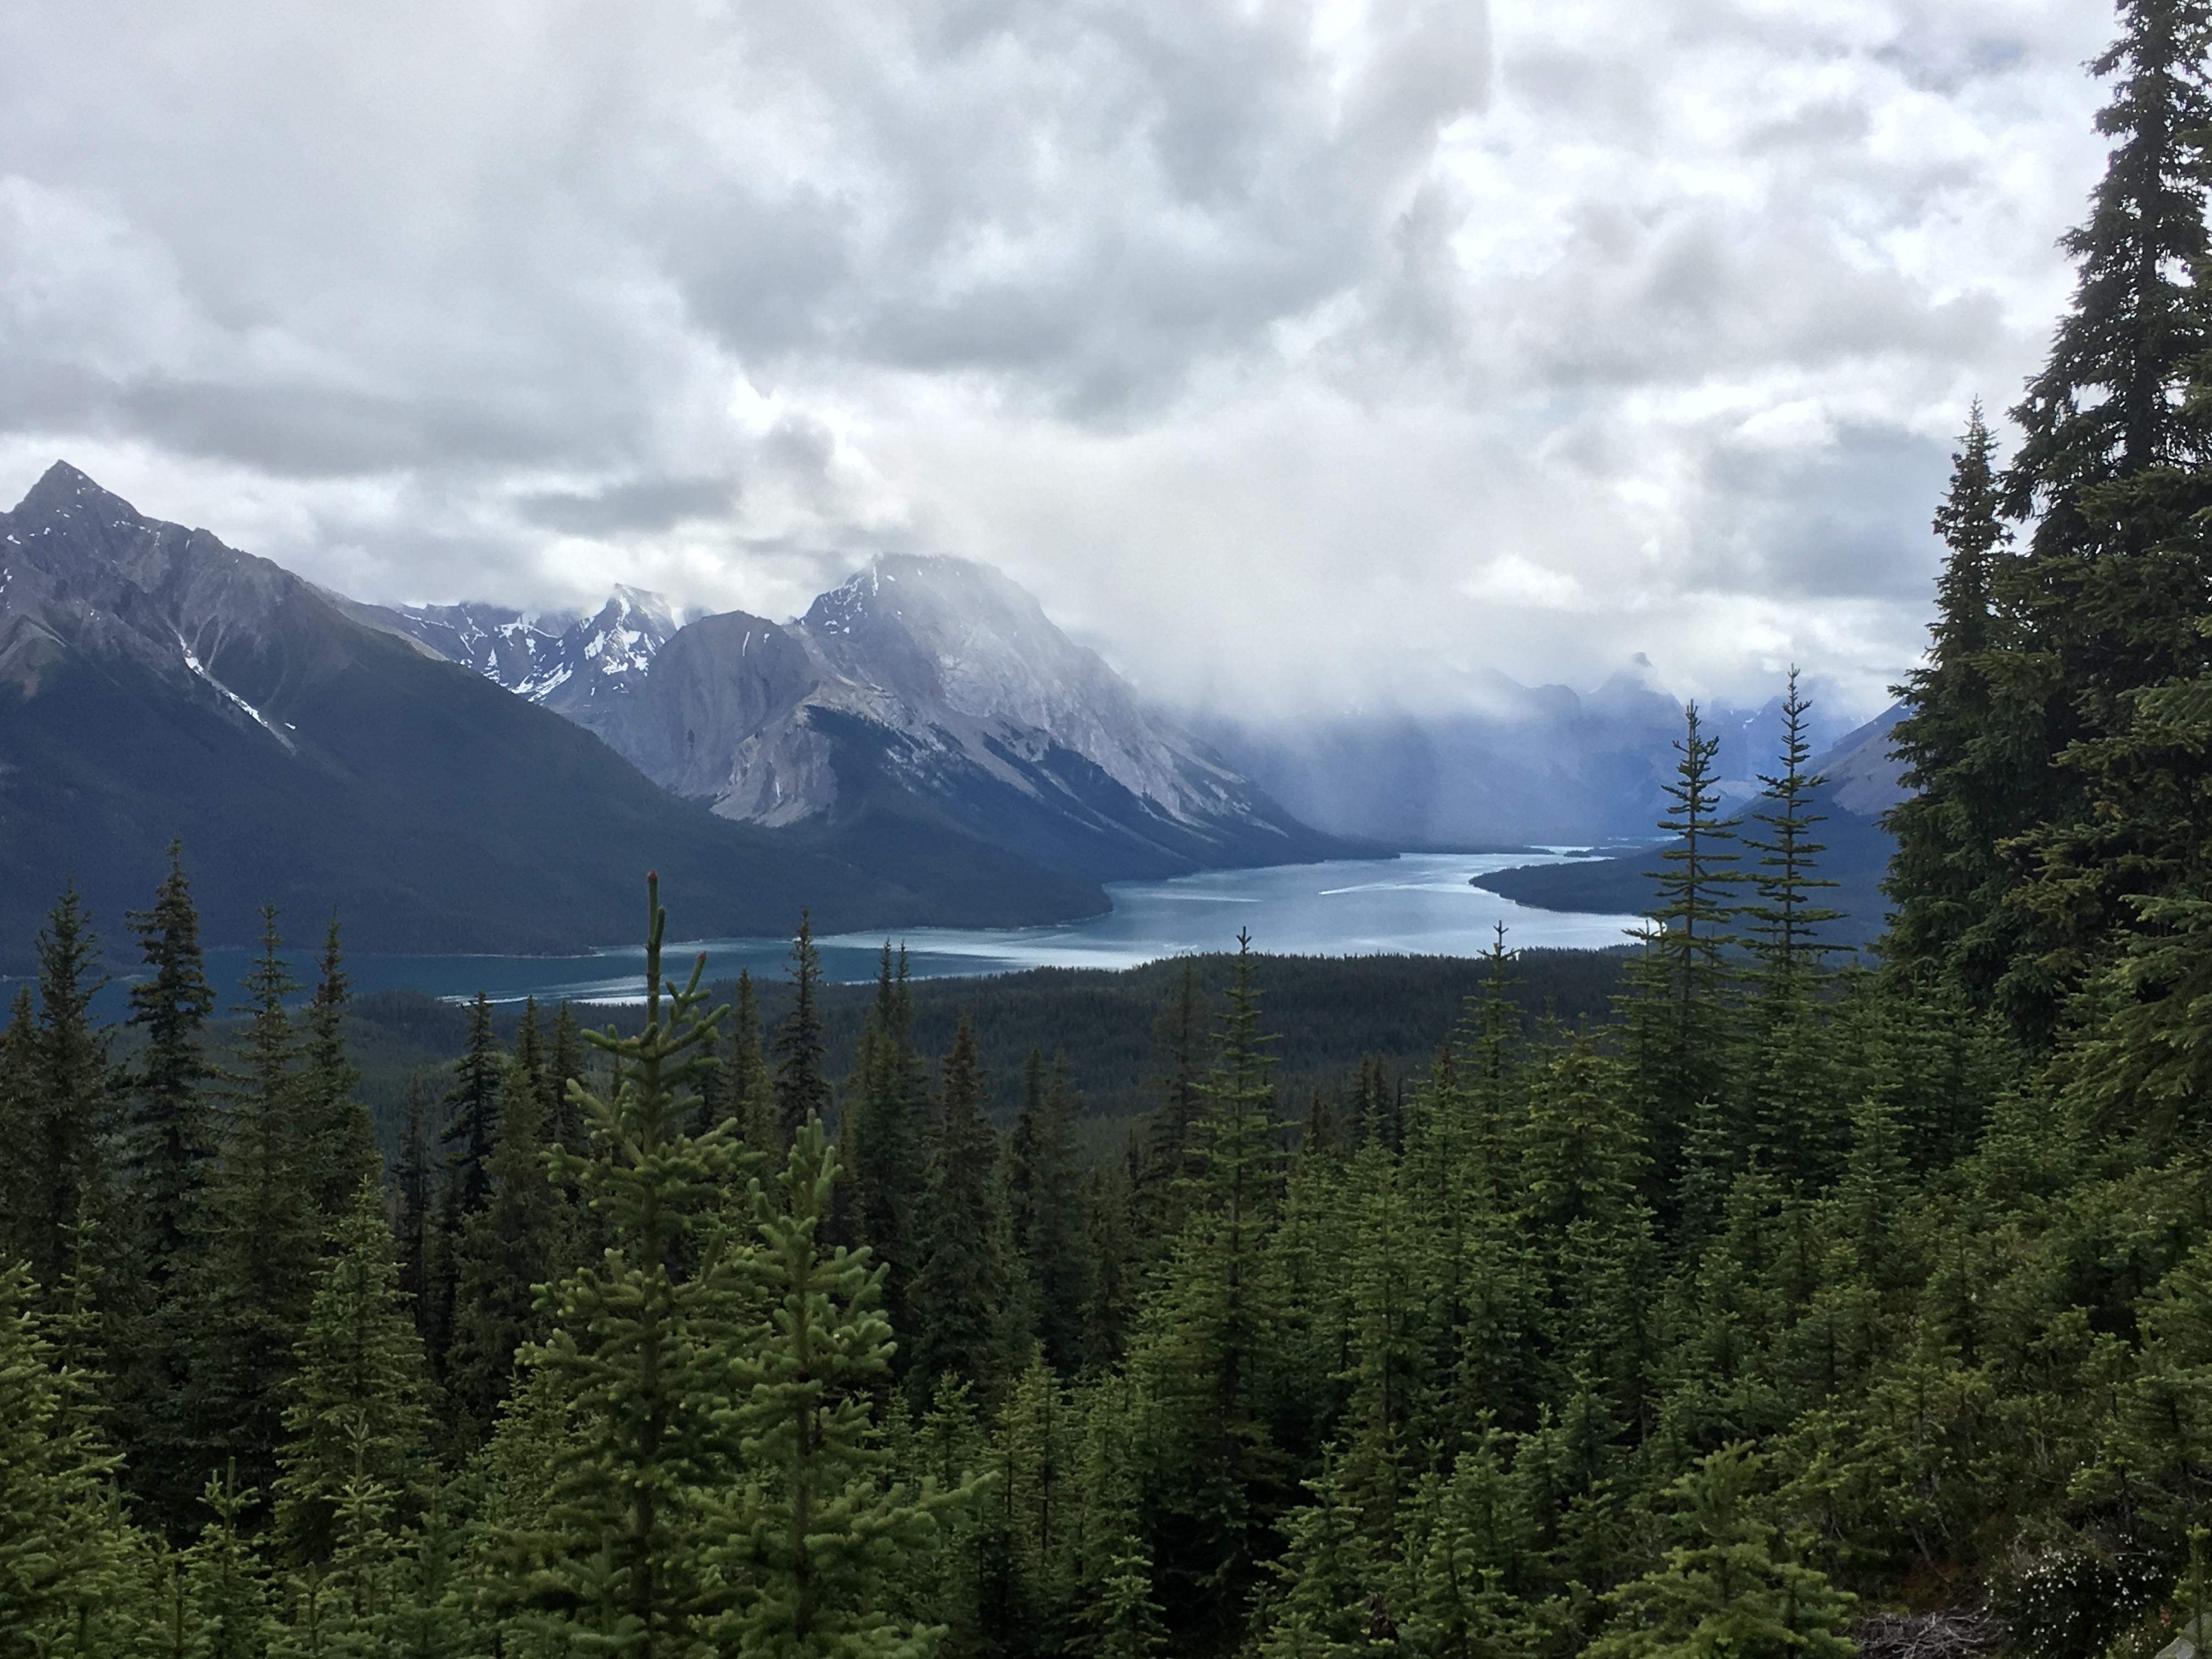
[[1797, 1308]]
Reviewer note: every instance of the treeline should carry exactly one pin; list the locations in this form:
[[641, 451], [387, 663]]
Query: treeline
[[1794, 1310], [1344, 1022]]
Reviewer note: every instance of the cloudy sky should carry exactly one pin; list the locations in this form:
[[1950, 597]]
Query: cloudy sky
[[1289, 353]]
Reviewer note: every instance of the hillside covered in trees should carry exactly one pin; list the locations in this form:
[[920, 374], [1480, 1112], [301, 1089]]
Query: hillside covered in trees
[[1792, 1310]]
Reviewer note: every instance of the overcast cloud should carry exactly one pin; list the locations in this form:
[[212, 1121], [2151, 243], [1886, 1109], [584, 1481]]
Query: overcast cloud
[[1289, 352]]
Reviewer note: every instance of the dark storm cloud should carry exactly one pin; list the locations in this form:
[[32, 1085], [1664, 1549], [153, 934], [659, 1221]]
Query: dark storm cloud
[[1419, 337]]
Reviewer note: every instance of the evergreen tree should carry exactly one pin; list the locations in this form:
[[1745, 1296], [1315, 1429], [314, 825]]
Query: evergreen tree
[[479, 1077], [813, 1532], [341, 1142], [1180, 1038], [356, 1419], [801, 1090], [1679, 1013], [68, 1154], [415, 1196], [21, 1106], [960, 1294], [1208, 1352], [2112, 459], [1961, 764], [1470, 1568], [2110, 399], [1786, 921], [267, 1241], [506, 1253], [564, 1063], [226, 1590], [173, 1143], [529, 1056], [66, 1584], [1735, 1588], [885, 1121], [1045, 1183], [639, 1347], [172, 1164], [1115, 1615]]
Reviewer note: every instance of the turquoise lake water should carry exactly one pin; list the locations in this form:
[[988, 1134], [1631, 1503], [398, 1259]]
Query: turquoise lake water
[[1419, 905]]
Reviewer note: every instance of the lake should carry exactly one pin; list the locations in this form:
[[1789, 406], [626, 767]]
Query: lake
[[1420, 904]]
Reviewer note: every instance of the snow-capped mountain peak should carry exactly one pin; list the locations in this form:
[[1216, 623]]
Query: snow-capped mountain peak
[[564, 659], [925, 678]]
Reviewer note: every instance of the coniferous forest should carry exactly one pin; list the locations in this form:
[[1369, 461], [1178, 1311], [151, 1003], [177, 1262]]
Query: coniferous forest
[[1794, 1308]]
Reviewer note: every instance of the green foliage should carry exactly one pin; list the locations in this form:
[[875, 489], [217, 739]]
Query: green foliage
[[356, 1419], [267, 1239], [522, 1240], [473, 1125], [172, 1145], [811, 1537], [882, 1133], [960, 1300], [1792, 1294], [801, 1090], [1050, 1218], [1734, 1587], [66, 1558], [637, 1348]]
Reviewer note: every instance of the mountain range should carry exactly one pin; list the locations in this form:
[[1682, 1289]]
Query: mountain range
[[931, 683], [466, 779]]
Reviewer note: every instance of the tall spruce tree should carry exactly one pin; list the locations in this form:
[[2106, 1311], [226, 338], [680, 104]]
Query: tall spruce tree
[[1679, 1013], [1181, 1034], [172, 1167], [886, 1118], [639, 1348], [1963, 766], [173, 1141], [341, 1139], [2111, 460], [960, 1293], [1787, 919], [813, 1536], [564, 1063], [267, 1238], [1046, 1194], [416, 1194], [479, 1079], [356, 1415], [801, 1089], [19, 1115], [68, 1145], [509, 1251], [1209, 1347]]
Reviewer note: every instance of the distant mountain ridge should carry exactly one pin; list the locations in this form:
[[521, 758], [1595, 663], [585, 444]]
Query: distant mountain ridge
[[1859, 782], [566, 661], [155, 682], [927, 680]]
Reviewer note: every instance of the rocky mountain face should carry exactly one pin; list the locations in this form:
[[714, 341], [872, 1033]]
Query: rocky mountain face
[[156, 683], [930, 686], [572, 664]]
